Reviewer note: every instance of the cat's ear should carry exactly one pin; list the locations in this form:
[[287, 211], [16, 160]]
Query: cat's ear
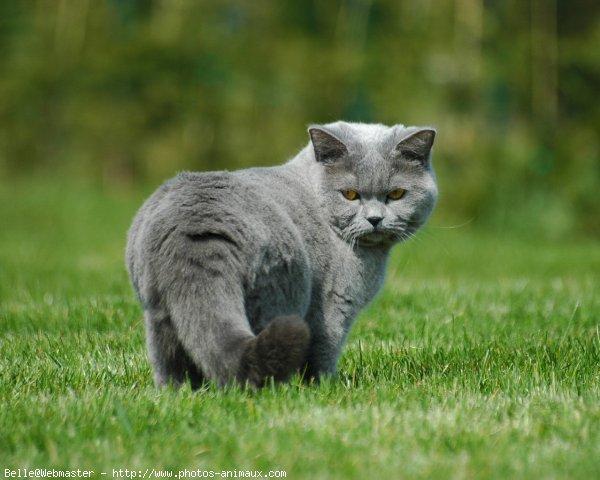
[[417, 145], [328, 148]]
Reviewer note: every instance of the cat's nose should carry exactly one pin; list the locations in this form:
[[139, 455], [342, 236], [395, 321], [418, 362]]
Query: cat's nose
[[375, 220]]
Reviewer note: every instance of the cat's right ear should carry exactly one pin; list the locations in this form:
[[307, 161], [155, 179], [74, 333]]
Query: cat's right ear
[[328, 148]]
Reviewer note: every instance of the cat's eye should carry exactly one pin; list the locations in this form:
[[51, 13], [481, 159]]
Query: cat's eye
[[396, 194], [350, 194]]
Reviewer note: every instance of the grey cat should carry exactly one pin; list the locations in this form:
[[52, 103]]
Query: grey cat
[[259, 273]]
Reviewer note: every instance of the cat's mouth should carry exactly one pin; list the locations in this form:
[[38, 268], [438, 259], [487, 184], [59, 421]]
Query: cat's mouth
[[377, 237]]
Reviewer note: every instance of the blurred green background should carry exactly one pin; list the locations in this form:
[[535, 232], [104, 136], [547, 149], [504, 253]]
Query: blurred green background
[[480, 357], [122, 94]]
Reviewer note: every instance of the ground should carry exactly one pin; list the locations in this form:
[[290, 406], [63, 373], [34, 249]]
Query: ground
[[481, 358]]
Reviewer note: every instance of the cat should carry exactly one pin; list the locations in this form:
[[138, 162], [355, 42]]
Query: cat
[[256, 274]]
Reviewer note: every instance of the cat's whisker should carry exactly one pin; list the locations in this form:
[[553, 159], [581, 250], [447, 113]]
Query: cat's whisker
[[448, 227], [409, 236], [435, 237]]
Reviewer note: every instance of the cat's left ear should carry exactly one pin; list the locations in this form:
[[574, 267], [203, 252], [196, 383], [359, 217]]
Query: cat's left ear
[[417, 145], [328, 148]]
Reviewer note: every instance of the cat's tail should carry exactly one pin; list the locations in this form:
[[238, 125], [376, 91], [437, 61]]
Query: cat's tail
[[276, 352]]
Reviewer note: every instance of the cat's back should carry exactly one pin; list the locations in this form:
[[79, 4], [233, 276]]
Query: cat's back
[[206, 203], [257, 204], [235, 220]]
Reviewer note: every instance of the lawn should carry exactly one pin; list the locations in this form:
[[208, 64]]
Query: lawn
[[481, 358]]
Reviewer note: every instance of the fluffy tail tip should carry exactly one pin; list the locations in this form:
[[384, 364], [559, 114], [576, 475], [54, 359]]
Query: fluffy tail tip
[[278, 351]]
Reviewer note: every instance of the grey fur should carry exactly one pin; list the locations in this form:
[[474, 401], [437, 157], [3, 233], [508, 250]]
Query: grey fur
[[258, 273]]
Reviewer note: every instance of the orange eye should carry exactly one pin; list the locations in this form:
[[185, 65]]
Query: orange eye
[[396, 194], [350, 194]]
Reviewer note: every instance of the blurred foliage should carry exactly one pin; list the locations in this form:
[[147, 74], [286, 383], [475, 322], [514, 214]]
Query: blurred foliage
[[127, 92]]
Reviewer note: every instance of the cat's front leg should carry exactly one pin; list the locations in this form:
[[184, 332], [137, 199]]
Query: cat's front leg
[[327, 341], [322, 359]]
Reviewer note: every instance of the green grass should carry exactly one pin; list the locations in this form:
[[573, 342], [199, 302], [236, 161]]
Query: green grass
[[481, 358]]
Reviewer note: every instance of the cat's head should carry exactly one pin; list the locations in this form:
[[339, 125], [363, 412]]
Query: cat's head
[[377, 182]]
